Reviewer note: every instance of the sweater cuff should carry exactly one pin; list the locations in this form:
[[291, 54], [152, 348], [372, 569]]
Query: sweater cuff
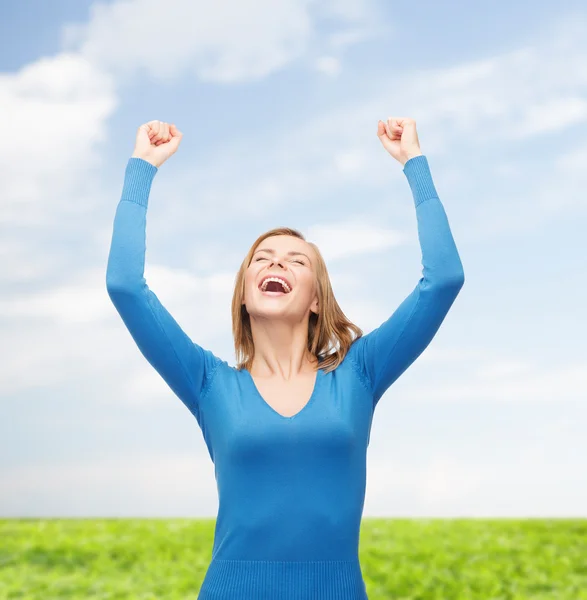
[[417, 171], [138, 178]]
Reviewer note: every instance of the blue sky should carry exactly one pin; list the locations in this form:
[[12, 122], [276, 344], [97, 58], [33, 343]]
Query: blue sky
[[278, 102]]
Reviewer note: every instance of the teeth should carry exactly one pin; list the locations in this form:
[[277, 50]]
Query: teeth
[[278, 280]]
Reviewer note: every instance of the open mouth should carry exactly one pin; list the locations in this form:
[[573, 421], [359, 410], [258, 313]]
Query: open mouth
[[274, 286]]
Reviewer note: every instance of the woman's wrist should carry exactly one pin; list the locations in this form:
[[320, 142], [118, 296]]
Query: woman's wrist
[[411, 155], [147, 159]]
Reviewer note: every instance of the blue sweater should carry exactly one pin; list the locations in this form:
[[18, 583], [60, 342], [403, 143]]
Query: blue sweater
[[290, 489]]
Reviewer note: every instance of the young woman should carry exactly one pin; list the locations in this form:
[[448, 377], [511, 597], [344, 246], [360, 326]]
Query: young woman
[[288, 428]]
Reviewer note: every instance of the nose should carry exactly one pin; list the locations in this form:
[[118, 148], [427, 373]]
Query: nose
[[276, 262]]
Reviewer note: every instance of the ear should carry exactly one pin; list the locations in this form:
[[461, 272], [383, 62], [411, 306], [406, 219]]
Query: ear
[[315, 307]]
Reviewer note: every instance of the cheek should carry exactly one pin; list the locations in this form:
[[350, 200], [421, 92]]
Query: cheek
[[307, 285], [250, 278]]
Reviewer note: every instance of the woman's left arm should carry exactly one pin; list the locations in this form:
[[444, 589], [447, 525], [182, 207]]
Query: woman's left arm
[[386, 352]]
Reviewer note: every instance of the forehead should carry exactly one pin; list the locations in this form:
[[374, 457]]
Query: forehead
[[286, 243]]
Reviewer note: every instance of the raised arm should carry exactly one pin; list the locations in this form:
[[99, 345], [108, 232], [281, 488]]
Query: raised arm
[[185, 366], [387, 351]]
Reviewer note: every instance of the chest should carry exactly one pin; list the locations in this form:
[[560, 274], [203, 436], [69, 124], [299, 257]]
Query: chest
[[275, 424], [287, 398]]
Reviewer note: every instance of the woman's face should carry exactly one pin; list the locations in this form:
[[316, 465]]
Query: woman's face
[[293, 261]]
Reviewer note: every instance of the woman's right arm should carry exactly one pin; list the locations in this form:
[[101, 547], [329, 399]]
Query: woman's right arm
[[186, 367]]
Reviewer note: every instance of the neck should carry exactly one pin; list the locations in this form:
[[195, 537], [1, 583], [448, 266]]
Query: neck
[[281, 349]]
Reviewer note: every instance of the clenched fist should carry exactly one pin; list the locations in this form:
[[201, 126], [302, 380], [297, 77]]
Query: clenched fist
[[400, 138], [156, 142]]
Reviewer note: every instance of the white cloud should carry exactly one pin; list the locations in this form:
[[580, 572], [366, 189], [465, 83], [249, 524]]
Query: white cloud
[[502, 368], [498, 381], [509, 95], [49, 168], [329, 65], [81, 301], [58, 107], [144, 387], [572, 162], [112, 486], [453, 355], [74, 330], [351, 161], [351, 238], [340, 39], [85, 300], [441, 479], [449, 486], [551, 116], [226, 41]]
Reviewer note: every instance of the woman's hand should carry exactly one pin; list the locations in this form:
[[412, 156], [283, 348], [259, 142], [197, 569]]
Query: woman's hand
[[156, 141], [400, 138]]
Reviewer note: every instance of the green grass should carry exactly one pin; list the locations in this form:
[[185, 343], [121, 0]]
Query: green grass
[[411, 559]]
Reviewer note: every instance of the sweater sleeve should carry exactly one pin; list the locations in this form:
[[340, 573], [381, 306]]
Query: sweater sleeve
[[386, 352], [186, 367]]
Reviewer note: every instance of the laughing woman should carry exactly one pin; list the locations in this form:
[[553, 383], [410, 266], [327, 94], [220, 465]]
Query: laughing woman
[[288, 427]]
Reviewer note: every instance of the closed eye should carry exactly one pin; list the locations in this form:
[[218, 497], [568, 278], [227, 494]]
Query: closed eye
[[301, 262]]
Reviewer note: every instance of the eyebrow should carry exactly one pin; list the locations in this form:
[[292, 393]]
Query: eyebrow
[[290, 253]]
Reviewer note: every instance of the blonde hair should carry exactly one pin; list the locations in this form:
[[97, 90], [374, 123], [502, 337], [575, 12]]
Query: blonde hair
[[329, 331]]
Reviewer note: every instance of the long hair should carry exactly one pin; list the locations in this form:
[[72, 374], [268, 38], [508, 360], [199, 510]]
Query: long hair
[[330, 333]]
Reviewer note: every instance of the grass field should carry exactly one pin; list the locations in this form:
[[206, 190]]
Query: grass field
[[407, 559]]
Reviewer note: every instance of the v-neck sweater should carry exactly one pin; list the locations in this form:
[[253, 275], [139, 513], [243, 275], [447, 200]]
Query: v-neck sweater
[[291, 489]]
